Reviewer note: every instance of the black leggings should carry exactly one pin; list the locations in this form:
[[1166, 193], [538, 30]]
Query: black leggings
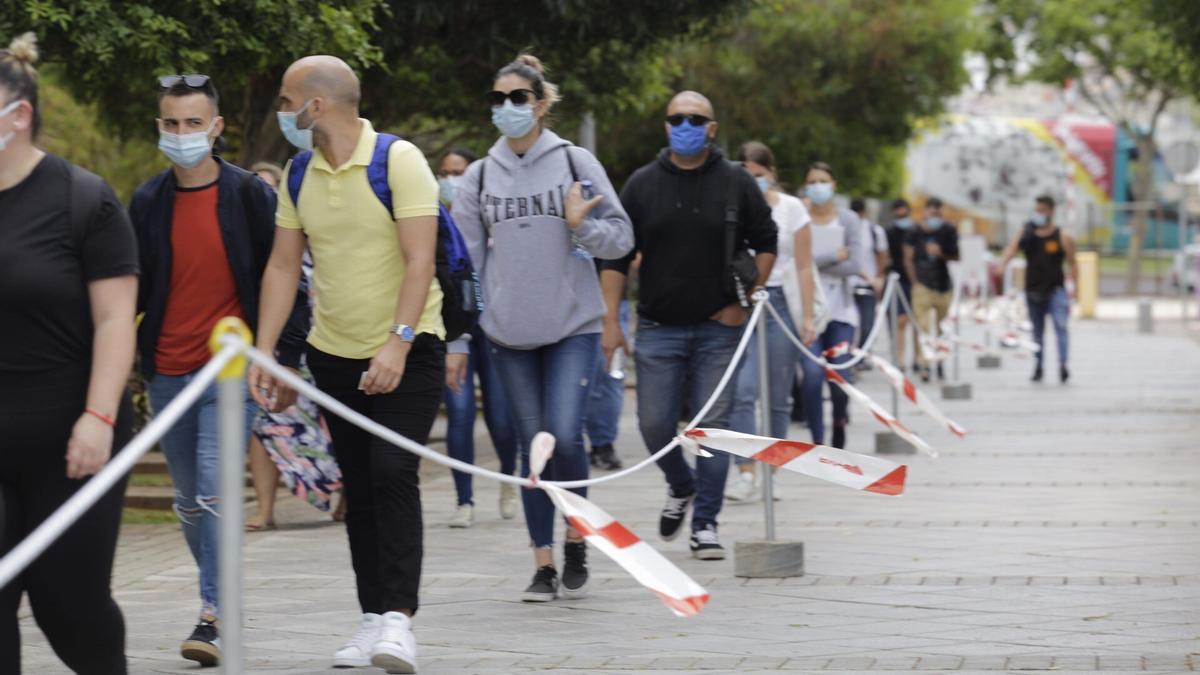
[[69, 584]]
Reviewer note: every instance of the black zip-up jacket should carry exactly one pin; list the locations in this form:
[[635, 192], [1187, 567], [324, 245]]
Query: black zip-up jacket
[[246, 214], [679, 226]]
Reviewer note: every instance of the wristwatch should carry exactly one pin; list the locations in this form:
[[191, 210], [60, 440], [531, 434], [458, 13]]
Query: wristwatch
[[405, 332]]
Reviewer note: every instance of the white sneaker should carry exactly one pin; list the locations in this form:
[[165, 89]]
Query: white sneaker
[[396, 650], [356, 653], [463, 516], [742, 489], [509, 497]]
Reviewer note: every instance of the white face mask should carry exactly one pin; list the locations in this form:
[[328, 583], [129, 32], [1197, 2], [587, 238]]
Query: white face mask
[[187, 150], [12, 133]]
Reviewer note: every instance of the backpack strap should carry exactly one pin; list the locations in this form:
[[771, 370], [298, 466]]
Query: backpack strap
[[731, 214], [483, 164], [571, 165], [296, 177], [86, 190], [377, 170]]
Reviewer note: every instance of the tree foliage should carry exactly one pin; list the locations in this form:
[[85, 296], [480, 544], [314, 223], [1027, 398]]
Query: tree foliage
[[1180, 20]]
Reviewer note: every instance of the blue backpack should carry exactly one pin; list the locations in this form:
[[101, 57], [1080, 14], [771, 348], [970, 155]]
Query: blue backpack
[[462, 300]]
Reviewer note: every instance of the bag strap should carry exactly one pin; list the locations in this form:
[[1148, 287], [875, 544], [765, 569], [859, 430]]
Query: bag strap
[[571, 165], [296, 177], [86, 190], [731, 216], [377, 170]]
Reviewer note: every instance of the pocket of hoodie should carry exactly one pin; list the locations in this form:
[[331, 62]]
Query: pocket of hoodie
[[532, 284]]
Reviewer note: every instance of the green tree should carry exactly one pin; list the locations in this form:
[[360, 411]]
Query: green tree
[[1180, 19], [1124, 64]]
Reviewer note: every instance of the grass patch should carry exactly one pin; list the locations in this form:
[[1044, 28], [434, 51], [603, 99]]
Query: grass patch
[[150, 480], [147, 517]]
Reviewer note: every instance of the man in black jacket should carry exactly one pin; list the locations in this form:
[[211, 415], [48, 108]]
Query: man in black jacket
[[689, 324], [204, 231]]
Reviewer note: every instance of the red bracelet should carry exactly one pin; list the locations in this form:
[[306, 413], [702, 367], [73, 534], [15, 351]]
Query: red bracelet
[[101, 416]]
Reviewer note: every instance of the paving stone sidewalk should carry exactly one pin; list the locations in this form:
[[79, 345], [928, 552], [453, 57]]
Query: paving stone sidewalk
[[1063, 535]]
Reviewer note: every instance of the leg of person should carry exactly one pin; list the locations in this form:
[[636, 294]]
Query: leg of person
[[339, 378], [499, 422], [662, 361], [265, 477], [1060, 312], [460, 438], [835, 333], [522, 371], [567, 368], [813, 390], [712, 348], [941, 306], [866, 312], [742, 487], [604, 414], [409, 410], [782, 358], [922, 302], [1037, 316]]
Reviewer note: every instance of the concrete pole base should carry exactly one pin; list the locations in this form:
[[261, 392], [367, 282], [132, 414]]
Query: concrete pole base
[[986, 361], [887, 443], [1145, 316], [956, 391], [761, 559]]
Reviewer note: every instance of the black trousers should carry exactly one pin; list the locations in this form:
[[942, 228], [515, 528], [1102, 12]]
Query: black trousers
[[383, 515], [68, 585]]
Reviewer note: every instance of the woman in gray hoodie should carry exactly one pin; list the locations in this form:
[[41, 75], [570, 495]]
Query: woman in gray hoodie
[[535, 212]]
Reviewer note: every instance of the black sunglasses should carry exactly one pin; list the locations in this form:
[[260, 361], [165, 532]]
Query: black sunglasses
[[694, 120], [191, 81], [517, 96]]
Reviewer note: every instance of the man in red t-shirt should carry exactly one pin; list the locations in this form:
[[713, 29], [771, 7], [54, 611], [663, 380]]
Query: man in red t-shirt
[[205, 229]]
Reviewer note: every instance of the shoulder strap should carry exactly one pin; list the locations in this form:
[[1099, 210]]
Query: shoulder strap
[[296, 176], [377, 170], [571, 164], [731, 213], [483, 164], [86, 189]]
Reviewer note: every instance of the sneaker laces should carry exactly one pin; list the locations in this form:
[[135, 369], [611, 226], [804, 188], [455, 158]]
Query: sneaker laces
[[676, 506], [575, 555], [707, 536]]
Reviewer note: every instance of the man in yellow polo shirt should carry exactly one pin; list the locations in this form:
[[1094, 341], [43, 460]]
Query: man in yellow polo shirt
[[377, 342]]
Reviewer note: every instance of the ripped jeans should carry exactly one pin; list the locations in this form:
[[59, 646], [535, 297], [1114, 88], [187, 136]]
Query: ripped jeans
[[192, 454]]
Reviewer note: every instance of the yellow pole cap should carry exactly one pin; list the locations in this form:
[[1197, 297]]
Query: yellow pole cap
[[231, 324]]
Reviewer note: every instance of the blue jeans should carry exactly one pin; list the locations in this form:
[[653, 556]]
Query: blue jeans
[[193, 460], [864, 299], [547, 390], [1058, 306], [782, 357], [668, 359], [814, 381], [608, 396], [460, 417]]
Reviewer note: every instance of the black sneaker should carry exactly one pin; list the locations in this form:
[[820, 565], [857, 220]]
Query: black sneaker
[[544, 587], [706, 545], [1037, 375], [605, 457], [924, 374], [1063, 374], [575, 569], [204, 645], [839, 436], [673, 513]]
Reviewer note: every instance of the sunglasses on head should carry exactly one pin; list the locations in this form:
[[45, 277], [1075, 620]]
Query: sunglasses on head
[[694, 120], [517, 96], [190, 81]]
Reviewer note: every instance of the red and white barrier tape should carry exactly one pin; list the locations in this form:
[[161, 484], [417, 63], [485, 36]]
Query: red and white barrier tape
[[909, 390], [849, 469], [675, 588], [884, 417]]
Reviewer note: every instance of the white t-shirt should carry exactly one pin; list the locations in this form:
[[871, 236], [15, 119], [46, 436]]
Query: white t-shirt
[[827, 239], [871, 246], [790, 217]]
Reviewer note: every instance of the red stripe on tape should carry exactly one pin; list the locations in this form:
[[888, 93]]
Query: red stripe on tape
[[891, 484], [614, 532], [834, 376], [782, 452], [883, 420], [695, 433], [690, 606], [909, 390]]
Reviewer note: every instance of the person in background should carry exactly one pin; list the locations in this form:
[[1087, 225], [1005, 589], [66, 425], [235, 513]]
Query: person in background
[[270, 173], [902, 224], [608, 396], [542, 303], [838, 253], [68, 289], [377, 342], [869, 286], [795, 251], [1047, 248], [466, 360], [204, 230], [927, 249], [689, 320]]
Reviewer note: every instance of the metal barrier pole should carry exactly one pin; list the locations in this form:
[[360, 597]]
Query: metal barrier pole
[[764, 416], [894, 320], [231, 435]]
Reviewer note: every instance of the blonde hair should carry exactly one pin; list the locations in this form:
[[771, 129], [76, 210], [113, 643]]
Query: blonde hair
[[18, 75], [531, 68]]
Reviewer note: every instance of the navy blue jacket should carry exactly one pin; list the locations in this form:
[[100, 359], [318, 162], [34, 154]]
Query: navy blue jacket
[[246, 214]]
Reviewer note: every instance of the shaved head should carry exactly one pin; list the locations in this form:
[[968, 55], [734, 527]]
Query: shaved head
[[689, 103], [326, 77]]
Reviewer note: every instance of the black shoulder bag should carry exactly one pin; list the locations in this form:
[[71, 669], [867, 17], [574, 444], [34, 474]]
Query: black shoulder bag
[[740, 270]]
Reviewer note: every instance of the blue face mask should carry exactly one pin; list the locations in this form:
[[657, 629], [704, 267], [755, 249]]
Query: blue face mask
[[763, 183], [687, 140], [904, 223], [186, 150], [1038, 219], [301, 138], [514, 121], [448, 188], [933, 221], [819, 193]]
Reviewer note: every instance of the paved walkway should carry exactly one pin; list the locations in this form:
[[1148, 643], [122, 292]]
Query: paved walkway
[[1062, 535]]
